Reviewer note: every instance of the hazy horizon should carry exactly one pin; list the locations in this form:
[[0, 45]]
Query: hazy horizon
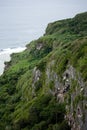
[[24, 20]]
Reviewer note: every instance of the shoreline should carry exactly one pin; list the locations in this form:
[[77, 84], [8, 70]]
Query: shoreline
[[5, 56]]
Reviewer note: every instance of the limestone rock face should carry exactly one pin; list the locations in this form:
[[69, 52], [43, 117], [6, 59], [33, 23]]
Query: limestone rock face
[[73, 91], [36, 78], [76, 110]]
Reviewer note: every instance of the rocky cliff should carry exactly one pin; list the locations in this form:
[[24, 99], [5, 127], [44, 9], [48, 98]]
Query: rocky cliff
[[45, 87]]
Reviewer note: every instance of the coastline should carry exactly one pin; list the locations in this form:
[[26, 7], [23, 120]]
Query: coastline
[[5, 56]]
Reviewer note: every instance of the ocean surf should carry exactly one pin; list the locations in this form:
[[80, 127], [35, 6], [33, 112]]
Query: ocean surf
[[5, 56]]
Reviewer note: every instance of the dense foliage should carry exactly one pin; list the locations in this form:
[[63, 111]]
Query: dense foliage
[[26, 104]]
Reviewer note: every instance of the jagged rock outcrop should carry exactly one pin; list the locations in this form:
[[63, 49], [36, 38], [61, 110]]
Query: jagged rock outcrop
[[76, 100], [71, 89]]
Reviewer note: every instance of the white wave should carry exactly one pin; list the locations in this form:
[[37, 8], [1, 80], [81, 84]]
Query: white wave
[[12, 50], [5, 56]]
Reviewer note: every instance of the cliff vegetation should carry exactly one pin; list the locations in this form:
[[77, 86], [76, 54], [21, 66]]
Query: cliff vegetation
[[45, 86]]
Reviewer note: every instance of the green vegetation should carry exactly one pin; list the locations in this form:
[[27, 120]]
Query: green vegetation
[[25, 99]]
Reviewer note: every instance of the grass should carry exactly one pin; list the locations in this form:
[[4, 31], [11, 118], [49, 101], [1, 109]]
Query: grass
[[23, 106]]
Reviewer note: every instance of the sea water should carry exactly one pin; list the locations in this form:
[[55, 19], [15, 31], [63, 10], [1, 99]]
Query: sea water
[[13, 38], [15, 34]]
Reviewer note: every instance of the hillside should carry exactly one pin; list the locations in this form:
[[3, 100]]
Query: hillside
[[45, 86]]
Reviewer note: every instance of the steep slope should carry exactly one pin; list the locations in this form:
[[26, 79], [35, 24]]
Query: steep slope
[[44, 87]]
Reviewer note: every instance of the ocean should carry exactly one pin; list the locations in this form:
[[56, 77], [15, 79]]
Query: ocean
[[16, 35], [18, 26], [14, 39]]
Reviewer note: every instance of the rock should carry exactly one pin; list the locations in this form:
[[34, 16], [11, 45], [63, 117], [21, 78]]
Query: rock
[[64, 77], [36, 74], [81, 90], [39, 46], [60, 97]]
